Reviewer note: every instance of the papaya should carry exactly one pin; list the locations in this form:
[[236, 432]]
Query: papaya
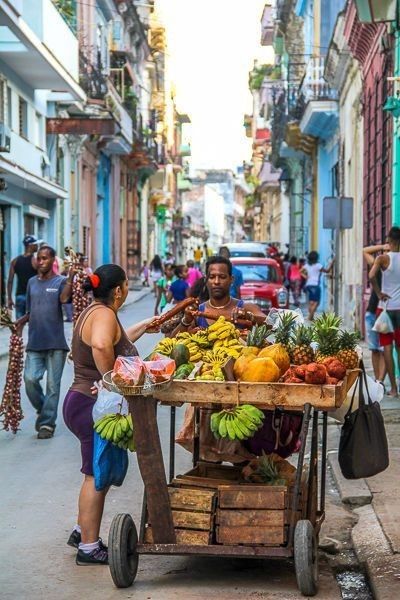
[[278, 354], [180, 354], [261, 369], [241, 364]]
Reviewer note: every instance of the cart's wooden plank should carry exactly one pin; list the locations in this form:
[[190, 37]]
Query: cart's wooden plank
[[267, 497], [202, 482], [191, 499], [204, 469], [216, 550], [274, 536], [151, 466], [192, 520], [264, 395], [250, 518], [183, 536]]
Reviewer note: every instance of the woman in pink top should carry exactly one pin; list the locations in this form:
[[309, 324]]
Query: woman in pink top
[[294, 277], [193, 273]]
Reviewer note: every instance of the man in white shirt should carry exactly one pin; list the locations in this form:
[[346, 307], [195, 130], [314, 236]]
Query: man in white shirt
[[312, 273], [389, 298]]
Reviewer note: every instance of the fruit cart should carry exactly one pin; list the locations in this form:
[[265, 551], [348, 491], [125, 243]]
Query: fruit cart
[[207, 512]]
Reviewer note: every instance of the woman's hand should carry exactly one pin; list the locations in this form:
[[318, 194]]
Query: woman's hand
[[151, 325]]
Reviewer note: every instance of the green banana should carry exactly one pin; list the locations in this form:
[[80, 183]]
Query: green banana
[[107, 433], [222, 426], [229, 427], [124, 424], [243, 427], [238, 432], [101, 423], [132, 445], [214, 423]]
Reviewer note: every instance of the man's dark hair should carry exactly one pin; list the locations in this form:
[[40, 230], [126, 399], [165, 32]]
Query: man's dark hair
[[394, 234], [49, 249], [312, 257], [219, 260]]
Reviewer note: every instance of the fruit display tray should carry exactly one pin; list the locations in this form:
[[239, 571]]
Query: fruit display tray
[[291, 396], [148, 389]]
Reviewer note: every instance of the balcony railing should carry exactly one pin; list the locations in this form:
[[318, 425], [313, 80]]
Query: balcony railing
[[314, 86], [91, 78]]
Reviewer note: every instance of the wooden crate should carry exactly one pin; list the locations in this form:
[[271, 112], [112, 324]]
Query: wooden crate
[[254, 514], [193, 513], [290, 396], [209, 476]]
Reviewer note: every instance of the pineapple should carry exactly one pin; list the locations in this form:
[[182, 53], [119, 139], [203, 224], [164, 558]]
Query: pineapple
[[284, 331], [256, 338], [268, 471], [347, 353], [326, 334], [302, 352]]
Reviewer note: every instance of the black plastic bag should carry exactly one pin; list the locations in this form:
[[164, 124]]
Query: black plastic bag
[[363, 447]]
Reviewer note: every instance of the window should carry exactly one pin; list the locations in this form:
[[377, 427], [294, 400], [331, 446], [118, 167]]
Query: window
[[2, 100], [23, 118], [38, 138], [255, 272], [9, 107]]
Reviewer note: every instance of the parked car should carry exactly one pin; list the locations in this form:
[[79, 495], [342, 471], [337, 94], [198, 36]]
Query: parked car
[[262, 282], [246, 249]]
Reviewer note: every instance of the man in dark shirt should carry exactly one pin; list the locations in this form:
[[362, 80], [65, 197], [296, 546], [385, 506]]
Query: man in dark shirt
[[47, 348], [23, 267]]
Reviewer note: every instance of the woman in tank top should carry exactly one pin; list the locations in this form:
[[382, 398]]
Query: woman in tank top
[[97, 340]]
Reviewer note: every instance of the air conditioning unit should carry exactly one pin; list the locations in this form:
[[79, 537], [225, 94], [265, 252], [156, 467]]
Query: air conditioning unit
[[5, 138]]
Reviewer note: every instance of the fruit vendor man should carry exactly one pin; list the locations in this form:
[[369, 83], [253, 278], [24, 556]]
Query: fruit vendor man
[[218, 281]]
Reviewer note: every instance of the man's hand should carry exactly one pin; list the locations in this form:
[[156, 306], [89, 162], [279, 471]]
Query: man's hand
[[19, 324], [245, 315], [10, 304]]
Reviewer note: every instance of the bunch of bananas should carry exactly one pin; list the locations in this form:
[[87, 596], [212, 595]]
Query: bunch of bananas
[[239, 423], [231, 347], [189, 340], [118, 429], [210, 372], [165, 346], [221, 330]]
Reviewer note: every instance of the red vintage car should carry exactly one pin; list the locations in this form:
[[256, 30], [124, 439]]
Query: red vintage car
[[262, 282]]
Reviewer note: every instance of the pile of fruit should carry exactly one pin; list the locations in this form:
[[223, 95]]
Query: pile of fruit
[[238, 423], [290, 359], [117, 429], [213, 346], [335, 354]]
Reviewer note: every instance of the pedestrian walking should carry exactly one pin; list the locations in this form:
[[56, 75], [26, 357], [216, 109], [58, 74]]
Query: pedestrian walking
[[169, 259], [179, 289], [236, 274], [145, 274], [97, 340], [193, 273], [163, 285], [372, 337], [313, 271], [198, 255], [388, 264], [294, 278], [47, 348], [23, 267], [156, 271]]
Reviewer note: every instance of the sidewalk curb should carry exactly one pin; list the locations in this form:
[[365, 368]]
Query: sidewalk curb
[[373, 550], [129, 301]]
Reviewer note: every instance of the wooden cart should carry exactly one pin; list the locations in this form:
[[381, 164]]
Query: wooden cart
[[230, 520]]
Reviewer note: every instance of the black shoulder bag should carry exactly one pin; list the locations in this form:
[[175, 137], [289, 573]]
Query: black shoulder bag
[[363, 447]]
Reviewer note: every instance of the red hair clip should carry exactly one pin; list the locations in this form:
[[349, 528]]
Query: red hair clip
[[94, 280]]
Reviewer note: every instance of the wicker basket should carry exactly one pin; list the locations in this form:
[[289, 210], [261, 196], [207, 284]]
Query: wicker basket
[[147, 389]]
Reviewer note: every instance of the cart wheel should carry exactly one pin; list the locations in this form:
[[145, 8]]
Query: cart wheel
[[306, 558], [122, 556]]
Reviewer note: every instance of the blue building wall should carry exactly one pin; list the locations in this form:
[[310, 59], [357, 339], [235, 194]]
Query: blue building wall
[[103, 225]]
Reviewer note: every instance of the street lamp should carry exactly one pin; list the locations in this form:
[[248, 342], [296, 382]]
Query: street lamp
[[376, 11]]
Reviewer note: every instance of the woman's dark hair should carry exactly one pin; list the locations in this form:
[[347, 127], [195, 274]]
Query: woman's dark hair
[[219, 260], [199, 290], [394, 234], [293, 260], [156, 263], [103, 281], [312, 257], [48, 249], [179, 270]]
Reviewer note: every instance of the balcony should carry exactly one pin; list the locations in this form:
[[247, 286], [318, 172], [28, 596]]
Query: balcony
[[320, 115], [91, 77], [38, 45]]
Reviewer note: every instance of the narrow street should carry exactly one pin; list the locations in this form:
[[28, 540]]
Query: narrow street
[[40, 483]]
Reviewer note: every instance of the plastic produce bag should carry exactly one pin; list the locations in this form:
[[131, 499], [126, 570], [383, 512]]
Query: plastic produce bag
[[160, 368], [274, 314], [383, 323], [128, 371], [110, 463], [376, 392], [108, 403]]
